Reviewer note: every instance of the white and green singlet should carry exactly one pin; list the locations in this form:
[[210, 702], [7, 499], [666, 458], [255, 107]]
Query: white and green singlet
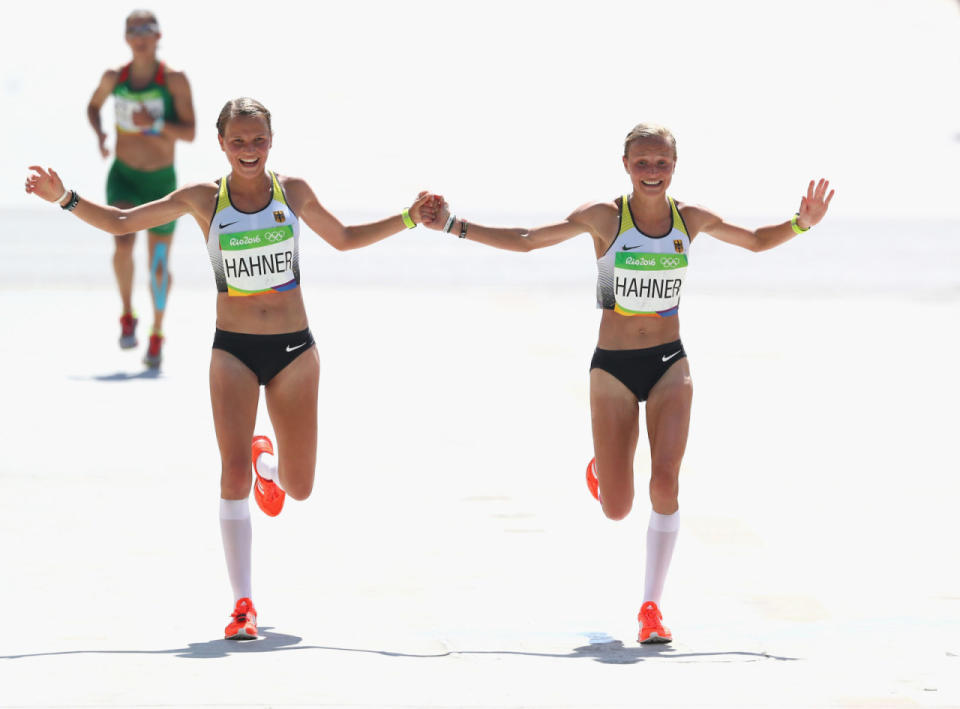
[[641, 274], [258, 252], [155, 97]]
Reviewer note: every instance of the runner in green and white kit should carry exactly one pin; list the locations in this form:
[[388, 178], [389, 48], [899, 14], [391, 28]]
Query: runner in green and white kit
[[642, 243], [153, 109]]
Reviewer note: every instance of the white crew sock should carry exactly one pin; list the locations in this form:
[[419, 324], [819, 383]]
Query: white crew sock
[[267, 468], [237, 534], [661, 538]]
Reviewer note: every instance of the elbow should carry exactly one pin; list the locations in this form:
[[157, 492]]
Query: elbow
[[523, 245], [345, 239], [119, 228], [341, 243], [190, 134], [118, 222]]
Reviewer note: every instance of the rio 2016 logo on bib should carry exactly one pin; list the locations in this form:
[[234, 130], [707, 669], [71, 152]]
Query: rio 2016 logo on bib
[[648, 284], [258, 261]]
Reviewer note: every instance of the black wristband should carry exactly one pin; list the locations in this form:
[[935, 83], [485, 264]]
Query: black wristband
[[463, 228], [74, 198]]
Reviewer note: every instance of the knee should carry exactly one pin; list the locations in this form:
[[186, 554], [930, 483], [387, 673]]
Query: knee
[[124, 245], [160, 263], [617, 509], [299, 490], [664, 490], [298, 484], [235, 480]]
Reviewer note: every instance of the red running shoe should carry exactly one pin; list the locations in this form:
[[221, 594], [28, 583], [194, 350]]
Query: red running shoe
[[152, 357], [652, 629], [267, 493], [593, 482], [244, 623], [128, 331]]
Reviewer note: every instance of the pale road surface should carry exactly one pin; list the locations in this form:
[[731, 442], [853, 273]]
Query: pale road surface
[[451, 555]]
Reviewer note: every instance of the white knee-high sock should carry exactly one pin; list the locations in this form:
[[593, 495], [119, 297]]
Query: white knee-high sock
[[661, 538], [237, 534], [267, 468]]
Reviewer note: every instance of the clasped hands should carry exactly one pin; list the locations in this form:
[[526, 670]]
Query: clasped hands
[[430, 209]]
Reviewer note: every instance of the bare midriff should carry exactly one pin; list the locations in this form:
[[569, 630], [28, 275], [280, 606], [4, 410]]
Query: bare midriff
[[634, 332], [266, 314], [145, 152]]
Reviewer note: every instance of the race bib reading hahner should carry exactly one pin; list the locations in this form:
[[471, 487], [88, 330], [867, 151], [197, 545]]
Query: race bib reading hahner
[[258, 261], [647, 284]]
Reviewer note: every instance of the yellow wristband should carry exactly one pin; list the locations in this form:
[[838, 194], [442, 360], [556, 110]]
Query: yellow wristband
[[797, 229], [408, 222]]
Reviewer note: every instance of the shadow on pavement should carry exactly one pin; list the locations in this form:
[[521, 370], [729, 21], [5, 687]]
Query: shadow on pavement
[[602, 649], [149, 373]]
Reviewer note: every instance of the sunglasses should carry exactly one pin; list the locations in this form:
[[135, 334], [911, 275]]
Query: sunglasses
[[144, 29]]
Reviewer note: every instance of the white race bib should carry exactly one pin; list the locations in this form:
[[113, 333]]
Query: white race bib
[[647, 284], [129, 102], [258, 261]]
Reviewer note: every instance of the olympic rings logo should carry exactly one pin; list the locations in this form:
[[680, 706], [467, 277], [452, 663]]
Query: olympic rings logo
[[670, 262], [275, 236]]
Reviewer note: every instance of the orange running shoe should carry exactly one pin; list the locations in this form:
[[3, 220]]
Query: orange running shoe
[[267, 493], [128, 331], [652, 630], [153, 356], [244, 623], [593, 483]]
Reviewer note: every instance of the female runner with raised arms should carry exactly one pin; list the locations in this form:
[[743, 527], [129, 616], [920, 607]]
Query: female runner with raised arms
[[642, 242], [251, 221]]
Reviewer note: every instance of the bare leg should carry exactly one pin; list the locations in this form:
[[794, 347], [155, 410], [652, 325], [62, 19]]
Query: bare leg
[[234, 394], [668, 423], [615, 417], [123, 268], [123, 263], [292, 404]]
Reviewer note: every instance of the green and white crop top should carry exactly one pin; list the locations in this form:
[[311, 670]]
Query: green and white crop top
[[155, 97], [641, 274], [254, 253]]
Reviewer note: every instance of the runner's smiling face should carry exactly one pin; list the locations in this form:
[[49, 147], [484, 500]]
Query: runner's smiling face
[[650, 162], [246, 140]]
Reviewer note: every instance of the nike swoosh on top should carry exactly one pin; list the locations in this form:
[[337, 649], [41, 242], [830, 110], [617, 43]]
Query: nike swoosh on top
[[631, 248], [667, 358], [291, 349], [224, 226]]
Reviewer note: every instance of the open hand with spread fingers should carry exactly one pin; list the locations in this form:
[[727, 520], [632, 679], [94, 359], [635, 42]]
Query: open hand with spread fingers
[[46, 184], [813, 207]]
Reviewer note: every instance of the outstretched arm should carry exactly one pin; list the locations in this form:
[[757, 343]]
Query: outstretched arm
[[47, 185], [344, 238], [517, 238], [813, 208]]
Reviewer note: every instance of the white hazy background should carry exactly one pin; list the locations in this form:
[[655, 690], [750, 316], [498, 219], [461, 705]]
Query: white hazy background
[[520, 108], [450, 518]]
